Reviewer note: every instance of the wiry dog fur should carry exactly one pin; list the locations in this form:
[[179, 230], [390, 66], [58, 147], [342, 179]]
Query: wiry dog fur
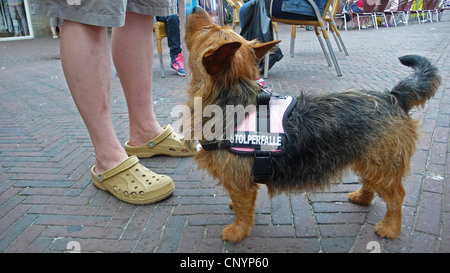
[[370, 133]]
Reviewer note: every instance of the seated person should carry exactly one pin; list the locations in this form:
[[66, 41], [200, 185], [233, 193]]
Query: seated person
[[392, 6], [173, 39], [357, 6], [289, 9], [262, 31], [174, 43]]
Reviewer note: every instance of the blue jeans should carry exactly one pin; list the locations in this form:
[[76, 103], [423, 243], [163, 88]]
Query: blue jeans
[[173, 34], [302, 7], [242, 11]]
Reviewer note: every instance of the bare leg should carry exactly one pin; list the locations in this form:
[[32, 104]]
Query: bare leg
[[53, 30], [85, 58], [132, 48]]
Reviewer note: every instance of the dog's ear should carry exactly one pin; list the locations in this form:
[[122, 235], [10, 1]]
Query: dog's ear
[[216, 60], [262, 49]]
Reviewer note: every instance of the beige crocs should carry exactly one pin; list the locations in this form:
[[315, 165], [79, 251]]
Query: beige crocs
[[167, 143], [133, 183]]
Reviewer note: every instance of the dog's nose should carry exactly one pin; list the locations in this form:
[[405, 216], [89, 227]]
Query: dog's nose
[[197, 9]]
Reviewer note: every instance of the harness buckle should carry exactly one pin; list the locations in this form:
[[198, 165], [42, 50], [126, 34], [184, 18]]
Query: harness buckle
[[262, 167]]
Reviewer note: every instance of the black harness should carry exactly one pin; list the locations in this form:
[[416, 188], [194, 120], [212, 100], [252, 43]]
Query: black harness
[[263, 142]]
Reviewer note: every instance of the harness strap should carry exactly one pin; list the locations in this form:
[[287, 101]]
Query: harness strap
[[213, 145], [263, 119], [262, 167]]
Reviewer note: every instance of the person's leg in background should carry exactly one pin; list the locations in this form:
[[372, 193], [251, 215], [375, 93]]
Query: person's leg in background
[[174, 42]]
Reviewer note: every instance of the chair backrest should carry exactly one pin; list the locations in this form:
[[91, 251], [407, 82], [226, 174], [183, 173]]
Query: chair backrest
[[294, 22], [382, 6], [402, 4], [341, 6], [430, 5], [369, 6], [337, 7]]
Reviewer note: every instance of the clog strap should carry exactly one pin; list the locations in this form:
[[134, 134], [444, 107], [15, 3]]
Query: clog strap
[[125, 165], [167, 131]]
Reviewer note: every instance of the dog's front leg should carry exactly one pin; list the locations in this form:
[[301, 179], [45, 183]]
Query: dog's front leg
[[243, 198]]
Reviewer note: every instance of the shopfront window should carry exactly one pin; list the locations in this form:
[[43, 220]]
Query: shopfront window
[[15, 20]]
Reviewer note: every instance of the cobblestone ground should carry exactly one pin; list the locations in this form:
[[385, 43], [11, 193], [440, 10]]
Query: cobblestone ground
[[47, 199]]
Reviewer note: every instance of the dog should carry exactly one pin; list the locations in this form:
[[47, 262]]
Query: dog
[[367, 132]]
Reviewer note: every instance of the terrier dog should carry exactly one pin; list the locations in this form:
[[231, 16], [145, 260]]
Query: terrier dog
[[368, 132]]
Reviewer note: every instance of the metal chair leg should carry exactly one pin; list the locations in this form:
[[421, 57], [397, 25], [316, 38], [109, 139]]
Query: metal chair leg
[[163, 74], [341, 42], [333, 57], [343, 45], [333, 29], [266, 66], [322, 46], [293, 36]]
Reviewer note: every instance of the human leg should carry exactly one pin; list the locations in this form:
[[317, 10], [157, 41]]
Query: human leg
[[85, 58], [23, 19], [12, 11], [53, 25], [174, 43], [87, 67], [132, 49], [173, 34]]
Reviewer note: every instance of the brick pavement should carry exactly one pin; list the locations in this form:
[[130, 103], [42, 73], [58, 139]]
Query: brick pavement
[[47, 199]]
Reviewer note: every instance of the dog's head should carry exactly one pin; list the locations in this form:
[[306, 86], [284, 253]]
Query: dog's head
[[220, 54]]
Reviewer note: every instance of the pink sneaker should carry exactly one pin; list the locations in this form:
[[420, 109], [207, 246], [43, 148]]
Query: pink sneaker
[[178, 65], [261, 82]]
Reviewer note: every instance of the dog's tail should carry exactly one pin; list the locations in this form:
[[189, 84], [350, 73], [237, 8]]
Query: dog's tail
[[419, 87]]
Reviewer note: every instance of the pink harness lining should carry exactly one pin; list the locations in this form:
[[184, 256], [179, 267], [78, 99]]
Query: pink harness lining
[[277, 107]]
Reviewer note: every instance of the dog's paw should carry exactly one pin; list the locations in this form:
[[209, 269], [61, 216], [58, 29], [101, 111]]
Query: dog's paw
[[358, 197], [235, 233], [386, 230]]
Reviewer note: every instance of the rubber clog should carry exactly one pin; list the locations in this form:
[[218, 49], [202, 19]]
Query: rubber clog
[[133, 183], [167, 143]]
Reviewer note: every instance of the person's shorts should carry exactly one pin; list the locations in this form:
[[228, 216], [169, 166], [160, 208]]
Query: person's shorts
[[105, 13]]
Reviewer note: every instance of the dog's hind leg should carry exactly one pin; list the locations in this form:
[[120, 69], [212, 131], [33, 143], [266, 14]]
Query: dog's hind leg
[[382, 168], [393, 195], [243, 204], [390, 189]]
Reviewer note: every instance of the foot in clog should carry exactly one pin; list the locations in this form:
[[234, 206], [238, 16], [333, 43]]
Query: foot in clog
[[167, 143], [133, 183]]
